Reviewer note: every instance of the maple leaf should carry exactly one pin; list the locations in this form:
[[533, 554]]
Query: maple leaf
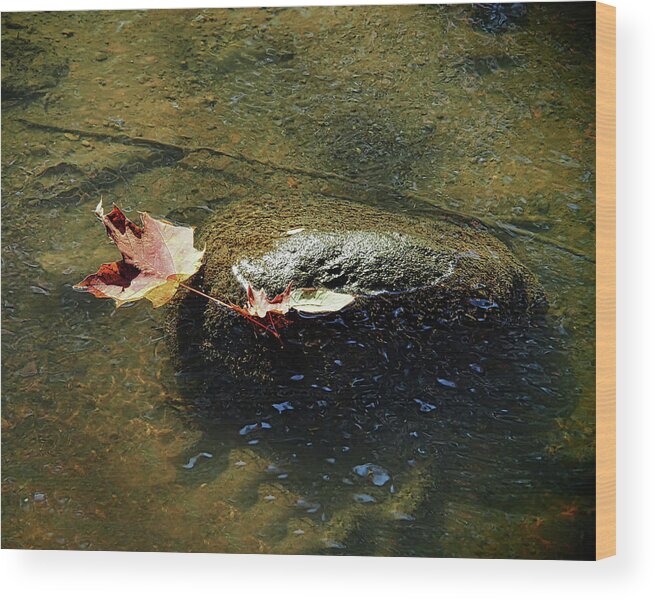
[[259, 305], [157, 257]]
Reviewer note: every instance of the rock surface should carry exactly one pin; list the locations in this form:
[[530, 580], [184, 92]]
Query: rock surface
[[437, 271], [359, 262]]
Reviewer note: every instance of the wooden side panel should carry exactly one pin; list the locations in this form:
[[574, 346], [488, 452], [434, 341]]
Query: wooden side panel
[[605, 280]]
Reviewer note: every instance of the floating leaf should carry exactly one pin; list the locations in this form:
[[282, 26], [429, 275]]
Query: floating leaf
[[259, 305], [316, 301], [307, 300], [157, 257]]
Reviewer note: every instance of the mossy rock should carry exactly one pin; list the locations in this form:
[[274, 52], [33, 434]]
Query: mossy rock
[[434, 271]]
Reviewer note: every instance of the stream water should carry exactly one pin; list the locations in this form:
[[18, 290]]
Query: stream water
[[486, 450]]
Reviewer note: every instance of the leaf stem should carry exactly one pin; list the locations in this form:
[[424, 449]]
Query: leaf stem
[[234, 307]]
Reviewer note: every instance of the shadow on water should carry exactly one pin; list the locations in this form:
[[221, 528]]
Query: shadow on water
[[416, 417]]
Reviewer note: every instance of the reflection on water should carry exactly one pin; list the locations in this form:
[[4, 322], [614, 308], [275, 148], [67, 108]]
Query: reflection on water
[[408, 436]]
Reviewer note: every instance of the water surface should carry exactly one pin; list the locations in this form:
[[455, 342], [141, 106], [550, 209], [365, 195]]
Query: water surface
[[485, 450]]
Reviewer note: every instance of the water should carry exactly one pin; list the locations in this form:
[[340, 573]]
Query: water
[[456, 441]]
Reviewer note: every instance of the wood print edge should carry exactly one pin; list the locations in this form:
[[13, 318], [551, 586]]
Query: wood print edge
[[605, 281]]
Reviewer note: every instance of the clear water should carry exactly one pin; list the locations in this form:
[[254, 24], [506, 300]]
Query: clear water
[[468, 441]]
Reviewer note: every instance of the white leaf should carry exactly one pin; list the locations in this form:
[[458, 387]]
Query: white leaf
[[311, 300]]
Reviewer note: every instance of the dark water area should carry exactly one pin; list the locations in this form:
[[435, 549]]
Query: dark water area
[[401, 435]]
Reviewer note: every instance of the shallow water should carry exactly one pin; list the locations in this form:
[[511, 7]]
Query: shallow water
[[458, 441]]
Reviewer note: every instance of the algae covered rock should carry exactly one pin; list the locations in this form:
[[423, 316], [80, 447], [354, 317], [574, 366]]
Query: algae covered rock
[[433, 271]]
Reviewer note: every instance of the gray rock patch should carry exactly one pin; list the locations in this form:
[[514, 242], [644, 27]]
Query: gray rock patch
[[359, 262]]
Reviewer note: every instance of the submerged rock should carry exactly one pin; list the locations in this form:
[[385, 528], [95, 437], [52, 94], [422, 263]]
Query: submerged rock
[[427, 270]]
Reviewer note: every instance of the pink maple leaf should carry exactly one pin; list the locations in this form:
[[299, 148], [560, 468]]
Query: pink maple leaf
[[259, 304], [157, 257]]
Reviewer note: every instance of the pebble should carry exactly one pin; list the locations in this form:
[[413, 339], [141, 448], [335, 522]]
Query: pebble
[[363, 498], [401, 516], [282, 406], [447, 382], [194, 459], [35, 289], [39, 150], [294, 231], [424, 406], [375, 473]]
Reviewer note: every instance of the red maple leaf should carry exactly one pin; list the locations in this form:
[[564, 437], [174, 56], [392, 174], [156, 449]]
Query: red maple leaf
[[157, 257]]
